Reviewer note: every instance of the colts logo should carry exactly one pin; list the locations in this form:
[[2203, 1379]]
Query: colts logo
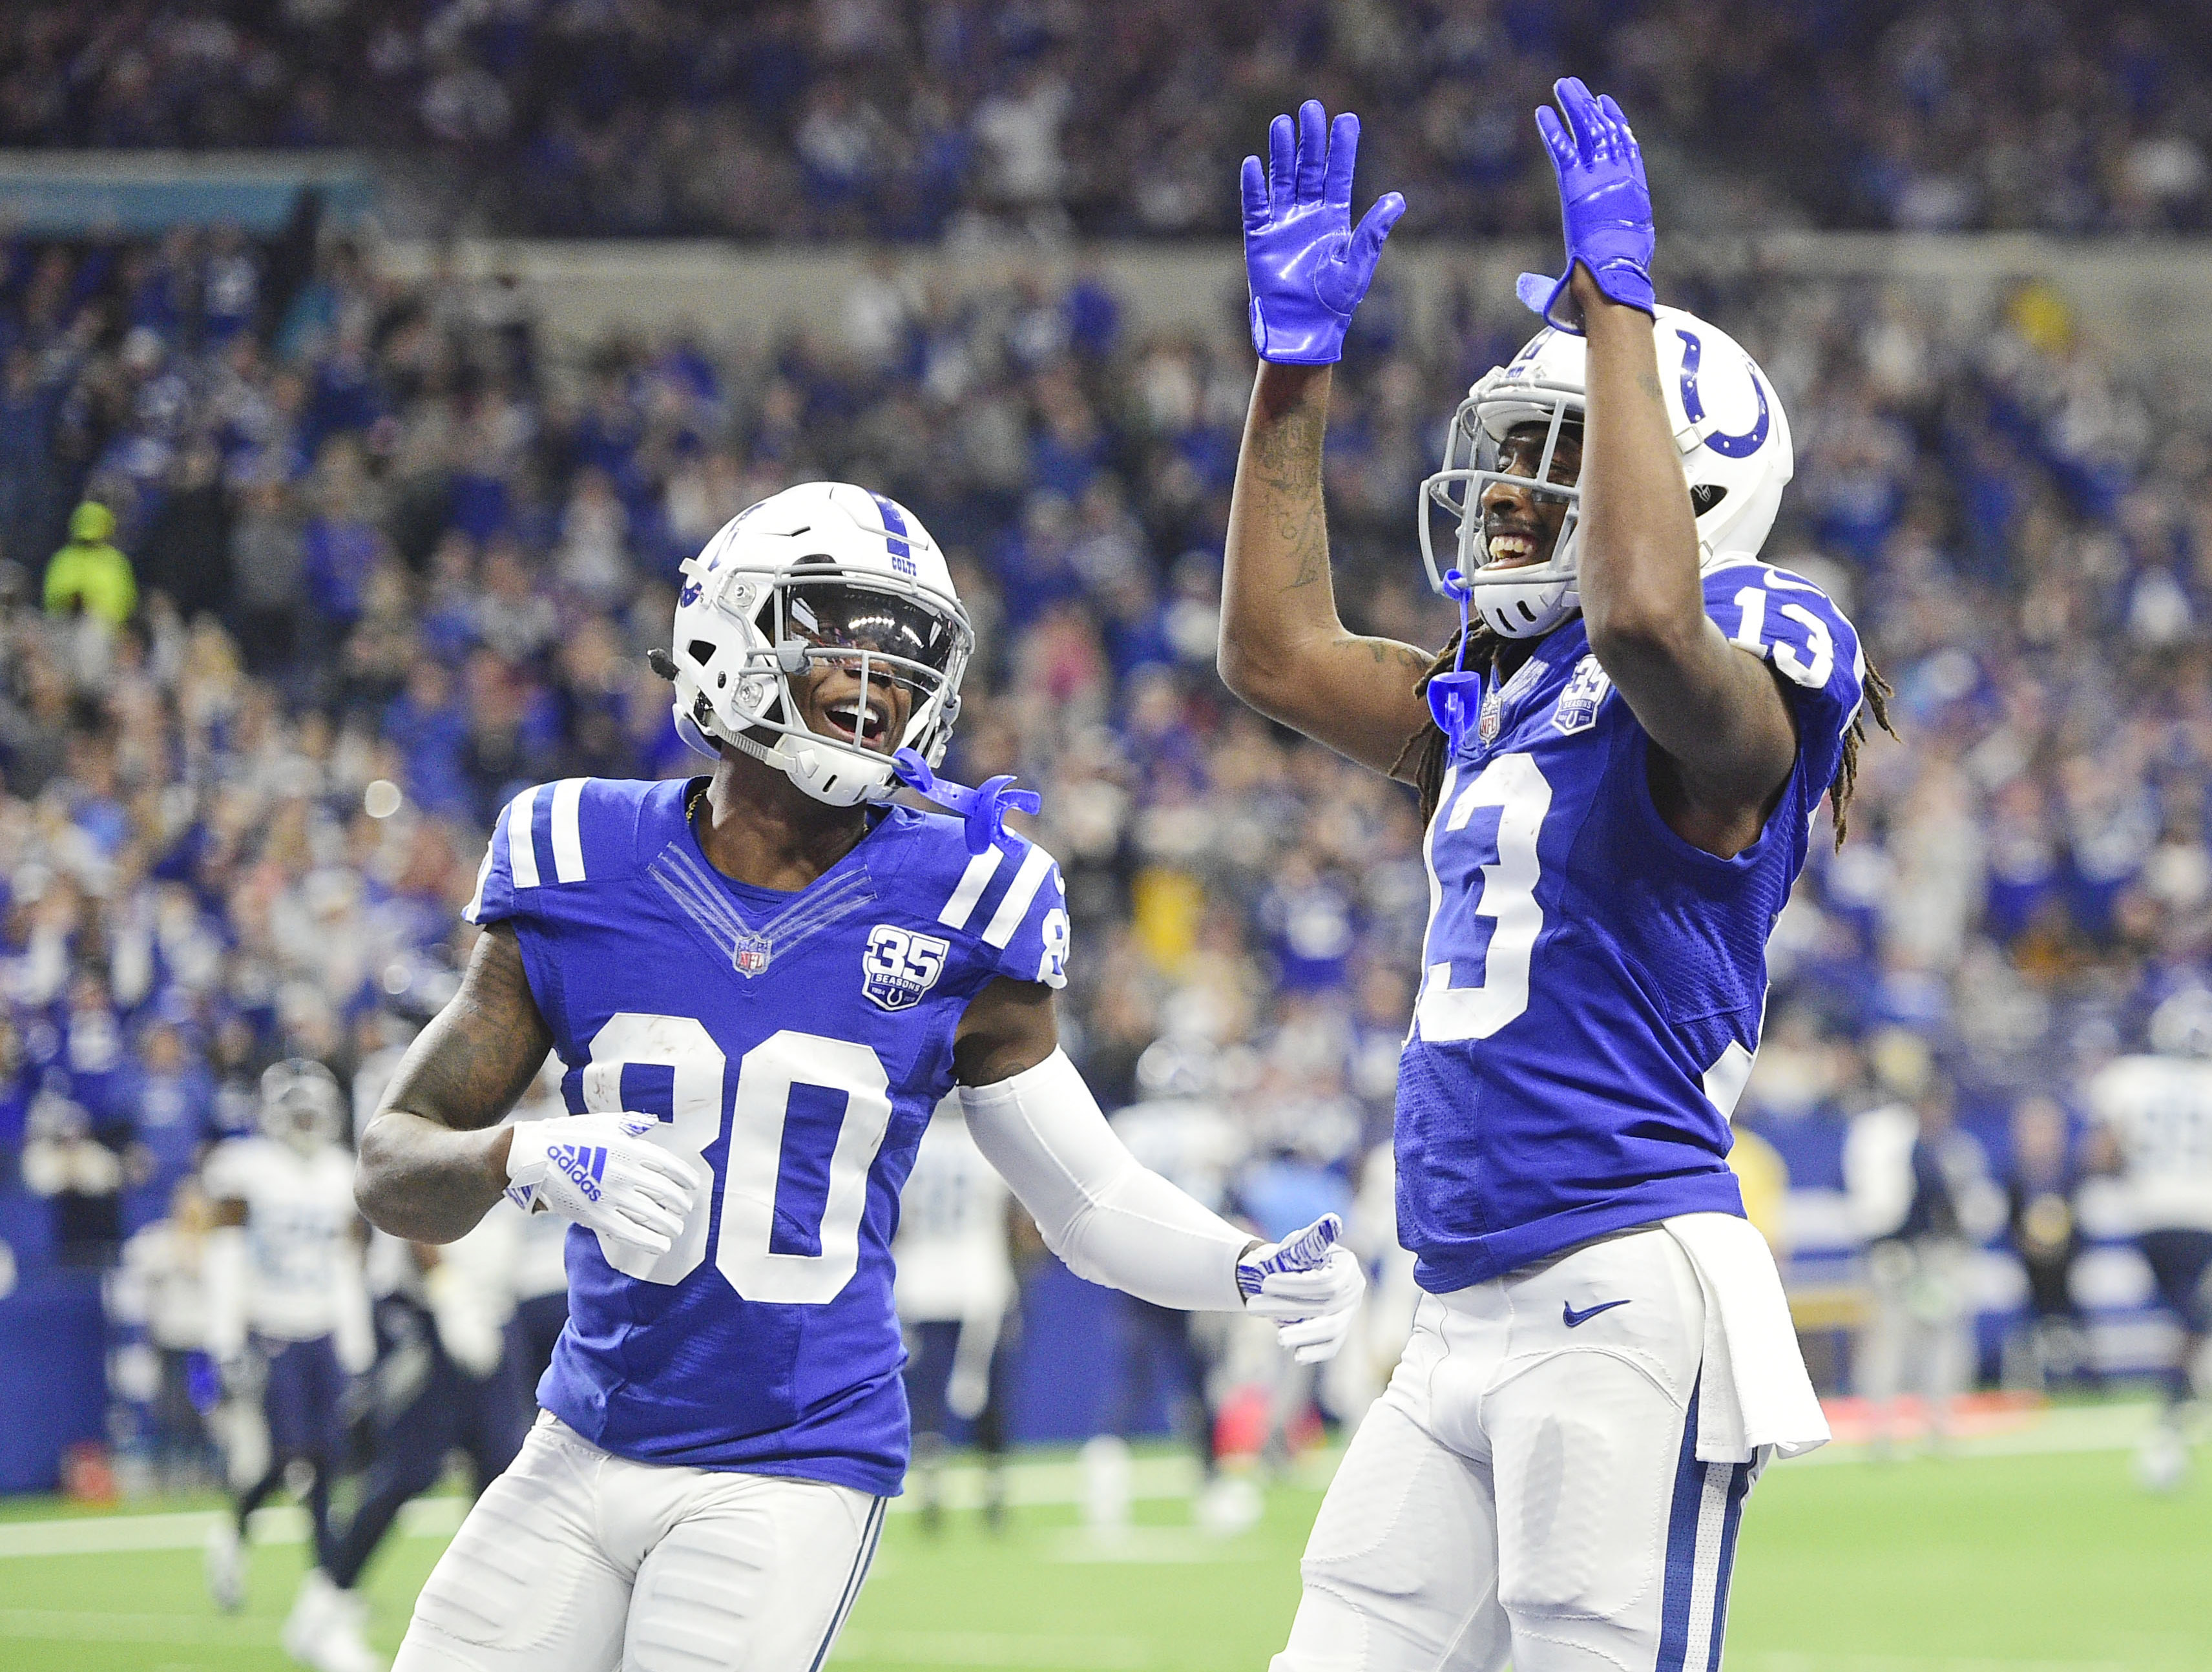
[[1693, 404], [1579, 702], [689, 595], [895, 536], [901, 965]]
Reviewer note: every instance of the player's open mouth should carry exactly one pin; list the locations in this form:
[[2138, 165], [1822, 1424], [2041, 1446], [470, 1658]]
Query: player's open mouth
[[1509, 548], [864, 723]]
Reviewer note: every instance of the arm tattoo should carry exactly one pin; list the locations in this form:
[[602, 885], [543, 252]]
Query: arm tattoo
[[1286, 458], [429, 1166], [480, 1053], [1650, 384], [1384, 650]]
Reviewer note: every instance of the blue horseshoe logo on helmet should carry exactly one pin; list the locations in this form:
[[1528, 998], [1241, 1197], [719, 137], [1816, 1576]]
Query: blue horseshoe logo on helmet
[[1693, 405]]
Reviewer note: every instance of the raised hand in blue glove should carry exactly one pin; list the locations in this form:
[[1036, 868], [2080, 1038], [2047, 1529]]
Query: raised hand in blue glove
[[1604, 205], [1307, 265]]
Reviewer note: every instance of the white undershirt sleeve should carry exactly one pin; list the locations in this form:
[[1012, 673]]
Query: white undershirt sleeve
[[1112, 1220], [224, 1278]]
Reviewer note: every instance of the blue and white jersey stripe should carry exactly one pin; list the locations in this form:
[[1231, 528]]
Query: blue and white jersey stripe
[[1033, 897], [539, 833]]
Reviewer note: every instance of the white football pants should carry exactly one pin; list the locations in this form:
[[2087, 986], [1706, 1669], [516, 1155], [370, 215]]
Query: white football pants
[[576, 1560], [1527, 1488]]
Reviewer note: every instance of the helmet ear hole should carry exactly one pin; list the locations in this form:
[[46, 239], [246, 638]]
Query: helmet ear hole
[[702, 651], [1704, 496]]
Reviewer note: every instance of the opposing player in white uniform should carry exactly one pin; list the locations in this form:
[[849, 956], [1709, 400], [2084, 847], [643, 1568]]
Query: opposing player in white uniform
[[287, 1311], [954, 1292], [1620, 756], [2155, 1111], [760, 985]]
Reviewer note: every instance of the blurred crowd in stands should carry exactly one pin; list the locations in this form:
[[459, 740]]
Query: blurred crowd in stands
[[908, 118], [300, 587]]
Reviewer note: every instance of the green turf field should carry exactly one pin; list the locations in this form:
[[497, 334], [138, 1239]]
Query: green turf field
[[2030, 1553]]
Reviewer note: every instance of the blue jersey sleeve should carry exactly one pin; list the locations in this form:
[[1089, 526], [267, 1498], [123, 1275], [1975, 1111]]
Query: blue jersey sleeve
[[1798, 628], [551, 836], [1011, 900]]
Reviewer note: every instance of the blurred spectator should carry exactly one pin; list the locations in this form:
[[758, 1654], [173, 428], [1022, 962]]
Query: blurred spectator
[[89, 574], [267, 563], [905, 122], [2044, 1226], [79, 1170], [1919, 1191]]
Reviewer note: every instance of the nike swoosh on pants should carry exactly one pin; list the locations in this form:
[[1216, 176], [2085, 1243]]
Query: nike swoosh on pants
[[1573, 1319]]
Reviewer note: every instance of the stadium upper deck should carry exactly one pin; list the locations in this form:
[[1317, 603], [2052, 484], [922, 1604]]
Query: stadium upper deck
[[873, 118]]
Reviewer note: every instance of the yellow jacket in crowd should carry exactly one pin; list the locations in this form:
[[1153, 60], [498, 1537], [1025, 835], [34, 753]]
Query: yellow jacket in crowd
[[90, 572]]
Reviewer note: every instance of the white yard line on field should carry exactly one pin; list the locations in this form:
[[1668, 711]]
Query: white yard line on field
[[62, 1625], [186, 1530]]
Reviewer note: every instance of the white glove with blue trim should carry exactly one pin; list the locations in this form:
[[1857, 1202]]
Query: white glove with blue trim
[[601, 1172], [1310, 1285]]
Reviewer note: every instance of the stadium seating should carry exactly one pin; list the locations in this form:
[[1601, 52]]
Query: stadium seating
[[905, 120]]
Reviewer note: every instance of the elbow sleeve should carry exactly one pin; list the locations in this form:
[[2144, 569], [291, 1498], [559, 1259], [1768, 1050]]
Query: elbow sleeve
[[1110, 1219]]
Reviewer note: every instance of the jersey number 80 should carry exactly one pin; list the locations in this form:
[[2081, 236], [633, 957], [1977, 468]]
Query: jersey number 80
[[790, 1263]]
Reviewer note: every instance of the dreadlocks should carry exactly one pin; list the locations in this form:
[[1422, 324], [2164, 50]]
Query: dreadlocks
[[1876, 692], [1428, 747]]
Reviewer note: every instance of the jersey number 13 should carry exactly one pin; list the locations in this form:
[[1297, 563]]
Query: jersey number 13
[[1515, 787]]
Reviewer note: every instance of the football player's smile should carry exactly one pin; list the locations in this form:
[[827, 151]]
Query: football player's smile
[[1519, 527], [840, 710]]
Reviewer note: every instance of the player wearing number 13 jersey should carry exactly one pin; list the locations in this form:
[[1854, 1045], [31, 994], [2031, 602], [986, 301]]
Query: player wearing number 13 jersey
[[759, 986], [1620, 756]]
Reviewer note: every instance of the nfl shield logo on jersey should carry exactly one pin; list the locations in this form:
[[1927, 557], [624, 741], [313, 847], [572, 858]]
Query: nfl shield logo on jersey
[[901, 965], [1493, 717], [751, 955], [1579, 702]]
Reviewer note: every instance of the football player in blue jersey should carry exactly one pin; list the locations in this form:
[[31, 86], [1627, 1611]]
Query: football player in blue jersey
[[760, 984], [1620, 757]]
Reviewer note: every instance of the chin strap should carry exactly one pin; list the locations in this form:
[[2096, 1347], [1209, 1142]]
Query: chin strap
[[984, 811], [1454, 696]]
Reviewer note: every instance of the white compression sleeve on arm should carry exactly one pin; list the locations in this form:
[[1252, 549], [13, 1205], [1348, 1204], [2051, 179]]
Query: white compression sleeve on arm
[[1110, 1219]]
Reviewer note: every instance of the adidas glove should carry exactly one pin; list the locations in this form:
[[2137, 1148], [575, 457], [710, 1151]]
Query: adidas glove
[[602, 1171], [1310, 1285]]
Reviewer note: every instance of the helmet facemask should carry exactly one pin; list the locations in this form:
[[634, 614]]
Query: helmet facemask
[[1522, 600], [748, 687]]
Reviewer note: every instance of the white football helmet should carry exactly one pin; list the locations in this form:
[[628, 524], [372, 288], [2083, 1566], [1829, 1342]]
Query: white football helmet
[[2182, 1024], [300, 1103], [821, 574], [1728, 426]]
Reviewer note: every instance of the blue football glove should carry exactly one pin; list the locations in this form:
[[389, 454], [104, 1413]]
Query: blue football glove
[[1604, 205], [1308, 1285], [1307, 267]]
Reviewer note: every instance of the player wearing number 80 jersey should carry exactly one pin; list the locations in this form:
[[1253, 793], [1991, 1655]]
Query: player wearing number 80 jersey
[[760, 985], [797, 1089], [1619, 759]]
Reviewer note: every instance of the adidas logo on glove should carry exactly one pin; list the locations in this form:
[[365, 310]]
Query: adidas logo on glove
[[582, 1167]]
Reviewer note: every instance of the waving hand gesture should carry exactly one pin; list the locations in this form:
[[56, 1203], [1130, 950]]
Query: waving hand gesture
[[1307, 265], [1605, 207]]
